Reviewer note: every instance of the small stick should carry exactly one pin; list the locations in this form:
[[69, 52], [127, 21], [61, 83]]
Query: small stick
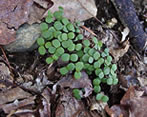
[[90, 31]]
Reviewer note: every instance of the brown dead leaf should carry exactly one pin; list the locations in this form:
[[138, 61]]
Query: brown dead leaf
[[83, 82], [68, 106], [13, 94], [76, 9], [46, 111], [133, 104]]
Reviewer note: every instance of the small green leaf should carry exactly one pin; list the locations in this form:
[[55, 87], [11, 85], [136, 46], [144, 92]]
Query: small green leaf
[[80, 36], [40, 41], [97, 64], [115, 81], [109, 81], [109, 58], [94, 39], [85, 58], [107, 62], [63, 70], [97, 89], [103, 54], [106, 70], [104, 80], [42, 50], [90, 60], [96, 82], [70, 66], [56, 43], [65, 29], [96, 55], [80, 53], [52, 29], [46, 34], [91, 51], [71, 47], [74, 57], [101, 60], [60, 8], [50, 14], [55, 57], [65, 44], [106, 51], [51, 49], [56, 33], [78, 46], [86, 49], [79, 66], [65, 21], [99, 96], [101, 75], [43, 26], [76, 93], [77, 30], [60, 50], [58, 25], [77, 75], [98, 71], [48, 44], [64, 36], [49, 19], [49, 60], [65, 57], [114, 67], [100, 44], [71, 35], [86, 43], [70, 27], [58, 14], [105, 98]]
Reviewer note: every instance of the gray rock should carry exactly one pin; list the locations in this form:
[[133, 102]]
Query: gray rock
[[26, 37]]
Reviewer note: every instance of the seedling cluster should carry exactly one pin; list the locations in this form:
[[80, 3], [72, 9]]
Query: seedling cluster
[[61, 39]]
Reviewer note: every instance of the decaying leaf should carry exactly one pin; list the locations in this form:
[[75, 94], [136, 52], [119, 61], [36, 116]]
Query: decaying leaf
[[76, 9], [68, 106], [13, 94], [83, 82], [133, 104]]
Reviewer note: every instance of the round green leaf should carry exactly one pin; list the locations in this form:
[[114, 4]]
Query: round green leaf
[[99, 96], [65, 44], [85, 58], [103, 54], [48, 44], [79, 66], [49, 60], [70, 66], [47, 34], [65, 29], [107, 62], [114, 67], [58, 25], [109, 81], [40, 41], [63, 70], [97, 89], [80, 36], [96, 82], [64, 36], [49, 19], [97, 64], [109, 58], [90, 60], [86, 49], [94, 39], [65, 57], [96, 55], [115, 81], [55, 57], [100, 44], [86, 43], [50, 14], [71, 35], [71, 47], [56, 43], [74, 57], [101, 75], [80, 53], [70, 27], [106, 70], [42, 50], [98, 71], [56, 33], [65, 21], [52, 29], [58, 14], [60, 50], [78, 46], [51, 49], [76, 93], [105, 98], [43, 26], [77, 75], [91, 51], [106, 50]]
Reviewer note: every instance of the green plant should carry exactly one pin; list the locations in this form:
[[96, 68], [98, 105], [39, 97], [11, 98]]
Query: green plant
[[61, 39]]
